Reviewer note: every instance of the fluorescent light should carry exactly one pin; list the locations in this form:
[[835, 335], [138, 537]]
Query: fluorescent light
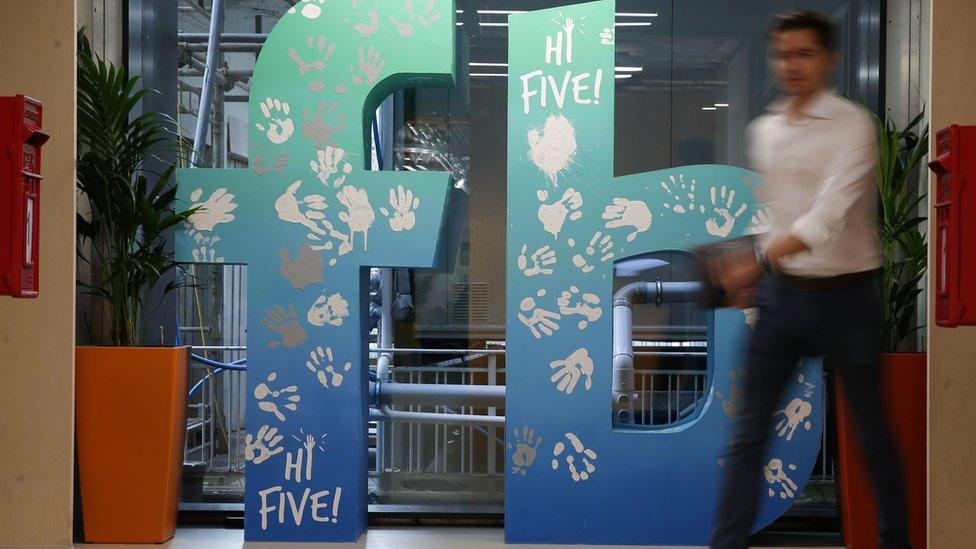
[[721, 104], [709, 109], [488, 74], [633, 24], [499, 12], [628, 69], [622, 75], [493, 24], [458, 11], [632, 14], [458, 24], [474, 64]]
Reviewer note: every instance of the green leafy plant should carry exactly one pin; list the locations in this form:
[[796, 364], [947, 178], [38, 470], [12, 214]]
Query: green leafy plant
[[129, 213], [904, 246]]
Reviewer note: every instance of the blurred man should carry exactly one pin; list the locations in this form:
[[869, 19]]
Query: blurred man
[[812, 277]]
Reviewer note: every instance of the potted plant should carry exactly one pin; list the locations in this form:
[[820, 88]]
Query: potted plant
[[903, 373], [130, 401]]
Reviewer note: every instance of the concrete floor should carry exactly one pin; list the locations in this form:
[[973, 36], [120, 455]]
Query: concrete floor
[[376, 538]]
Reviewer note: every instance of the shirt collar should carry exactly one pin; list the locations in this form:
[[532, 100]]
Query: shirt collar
[[822, 106]]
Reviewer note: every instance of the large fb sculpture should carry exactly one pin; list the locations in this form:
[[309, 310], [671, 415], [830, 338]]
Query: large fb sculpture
[[572, 478], [307, 218]]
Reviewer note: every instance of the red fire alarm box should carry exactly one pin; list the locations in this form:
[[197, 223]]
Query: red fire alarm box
[[955, 239], [21, 137]]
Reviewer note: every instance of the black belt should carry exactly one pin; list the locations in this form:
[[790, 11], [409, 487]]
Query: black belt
[[825, 282]]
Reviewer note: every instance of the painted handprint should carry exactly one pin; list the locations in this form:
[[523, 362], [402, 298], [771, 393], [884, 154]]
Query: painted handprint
[[778, 480], [204, 251], [359, 215], [540, 321], [268, 398], [567, 372], [540, 262], [794, 415], [367, 11], [722, 224], [571, 302], [321, 49], [553, 146], [289, 209], [681, 195], [599, 244], [525, 446], [331, 161], [320, 363], [404, 206], [554, 215], [277, 126], [318, 130], [578, 472], [258, 448], [608, 36], [310, 9], [369, 67], [628, 213], [730, 403], [569, 26], [213, 211], [286, 325], [306, 269], [329, 310], [759, 222]]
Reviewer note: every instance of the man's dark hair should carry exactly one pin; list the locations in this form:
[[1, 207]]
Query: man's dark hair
[[805, 19]]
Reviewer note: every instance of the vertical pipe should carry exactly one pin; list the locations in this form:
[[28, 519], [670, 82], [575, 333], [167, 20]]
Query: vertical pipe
[[492, 380], [209, 75]]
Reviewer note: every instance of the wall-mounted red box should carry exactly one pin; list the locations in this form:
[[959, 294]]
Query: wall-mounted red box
[[955, 237], [21, 137]]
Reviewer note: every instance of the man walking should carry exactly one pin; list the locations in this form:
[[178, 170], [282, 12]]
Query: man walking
[[815, 272]]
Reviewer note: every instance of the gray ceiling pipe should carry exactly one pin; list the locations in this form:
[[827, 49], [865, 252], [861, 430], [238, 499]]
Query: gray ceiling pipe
[[637, 293]]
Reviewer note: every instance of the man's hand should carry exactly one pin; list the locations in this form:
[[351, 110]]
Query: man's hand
[[738, 276]]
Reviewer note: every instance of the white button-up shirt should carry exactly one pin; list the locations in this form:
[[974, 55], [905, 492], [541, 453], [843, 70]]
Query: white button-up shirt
[[818, 183]]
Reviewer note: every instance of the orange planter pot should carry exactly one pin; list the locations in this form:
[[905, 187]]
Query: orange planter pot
[[905, 393], [130, 417]]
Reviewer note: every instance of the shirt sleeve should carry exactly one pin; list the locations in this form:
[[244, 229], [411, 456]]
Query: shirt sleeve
[[846, 183]]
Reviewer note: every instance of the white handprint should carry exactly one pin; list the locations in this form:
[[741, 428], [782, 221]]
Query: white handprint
[[257, 449], [679, 191], [607, 36], [795, 414], [366, 30], [586, 305], [759, 222], [214, 211], [541, 321], [600, 243], [554, 215], [552, 147], [310, 9], [320, 363], [628, 213], [269, 398], [425, 18], [568, 27], [277, 126], [329, 310], [525, 450], [206, 252], [404, 203], [324, 49], [587, 455], [359, 215], [541, 259], [568, 371], [778, 480], [370, 66], [722, 205], [331, 161]]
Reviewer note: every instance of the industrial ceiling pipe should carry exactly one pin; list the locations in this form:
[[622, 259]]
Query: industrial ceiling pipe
[[637, 293]]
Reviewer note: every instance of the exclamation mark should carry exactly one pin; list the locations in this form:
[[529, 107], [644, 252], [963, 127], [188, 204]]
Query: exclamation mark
[[335, 505], [596, 86]]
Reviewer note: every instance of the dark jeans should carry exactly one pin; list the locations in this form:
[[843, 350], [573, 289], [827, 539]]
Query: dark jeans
[[843, 325]]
